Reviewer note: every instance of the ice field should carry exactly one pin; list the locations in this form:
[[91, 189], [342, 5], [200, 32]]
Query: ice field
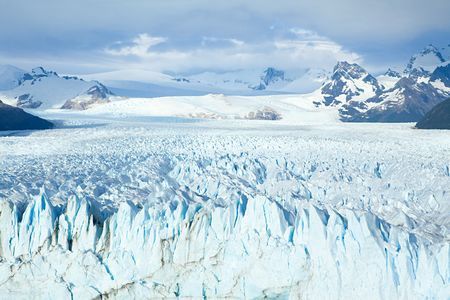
[[150, 206]]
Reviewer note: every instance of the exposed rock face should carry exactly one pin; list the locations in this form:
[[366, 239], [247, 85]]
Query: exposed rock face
[[13, 118], [392, 73], [269, 77], [96, 94], [437, 118], [442, 74], [266, 113], [408, 101], [27, 101]]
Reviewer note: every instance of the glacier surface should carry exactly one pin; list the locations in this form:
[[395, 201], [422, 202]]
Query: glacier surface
[[165, 208]]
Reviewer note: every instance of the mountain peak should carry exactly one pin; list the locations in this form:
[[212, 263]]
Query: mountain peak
[[271, 74], [348, 70], [427, 59], [430, 48], [392, 73], [41, 72], [349, 81], [10, 77]]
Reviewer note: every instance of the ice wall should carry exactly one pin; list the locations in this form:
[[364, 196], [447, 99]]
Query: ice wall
[[252, 247]]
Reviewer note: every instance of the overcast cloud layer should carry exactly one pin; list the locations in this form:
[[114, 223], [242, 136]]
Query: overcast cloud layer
[[189, 36]]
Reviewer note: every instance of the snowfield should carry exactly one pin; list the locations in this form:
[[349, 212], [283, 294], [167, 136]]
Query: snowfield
[[144, 203]]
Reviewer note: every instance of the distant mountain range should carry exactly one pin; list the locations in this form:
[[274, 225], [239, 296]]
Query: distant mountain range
[[269, 81], [396, 96]]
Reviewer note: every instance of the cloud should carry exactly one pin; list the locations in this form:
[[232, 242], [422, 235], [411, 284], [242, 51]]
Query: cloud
[[304, 49], [140, 46], [207, 40], [77, 32], [306, 34], [309, 45]]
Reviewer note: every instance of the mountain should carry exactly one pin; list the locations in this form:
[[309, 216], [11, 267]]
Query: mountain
[[392, 73], [348, 82], [425, 61], [437, 118], [407, 97], [10, 77], [44, 89], [445, 51], [142, 83], [270, 77], [441, 77], [97, 94], [13, 118]]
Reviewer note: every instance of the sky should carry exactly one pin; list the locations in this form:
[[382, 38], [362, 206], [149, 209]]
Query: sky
[[190, 36]]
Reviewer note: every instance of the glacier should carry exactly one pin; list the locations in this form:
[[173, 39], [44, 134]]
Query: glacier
[[251, 248], [224, 209]]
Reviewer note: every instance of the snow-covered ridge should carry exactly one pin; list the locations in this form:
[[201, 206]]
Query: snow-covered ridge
[[348, 82], [251, 248], [425, 61], [45, 89]]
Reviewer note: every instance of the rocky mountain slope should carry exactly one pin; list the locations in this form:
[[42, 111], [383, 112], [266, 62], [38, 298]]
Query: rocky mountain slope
[[392, 97], [437, 118], [348, 82], [13, 118]]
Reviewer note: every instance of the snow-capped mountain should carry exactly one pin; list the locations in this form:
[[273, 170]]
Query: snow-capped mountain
[[271, 76], [10, 77], [97, 94], [392, 73], [425, 83], [348, 82], [141, 83], [43, 89], [424, 62], [254, 82], [440, 78], [407, 101]]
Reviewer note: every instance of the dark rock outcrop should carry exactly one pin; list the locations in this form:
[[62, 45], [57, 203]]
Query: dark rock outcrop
[[437, 118], [13, 118]]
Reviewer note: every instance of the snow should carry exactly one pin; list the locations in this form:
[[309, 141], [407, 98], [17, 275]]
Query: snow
[[52, 91], [144, 83], [293, 108], [428, 59], [387, 81], [145, 206], [10, 77], [438, 84]]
